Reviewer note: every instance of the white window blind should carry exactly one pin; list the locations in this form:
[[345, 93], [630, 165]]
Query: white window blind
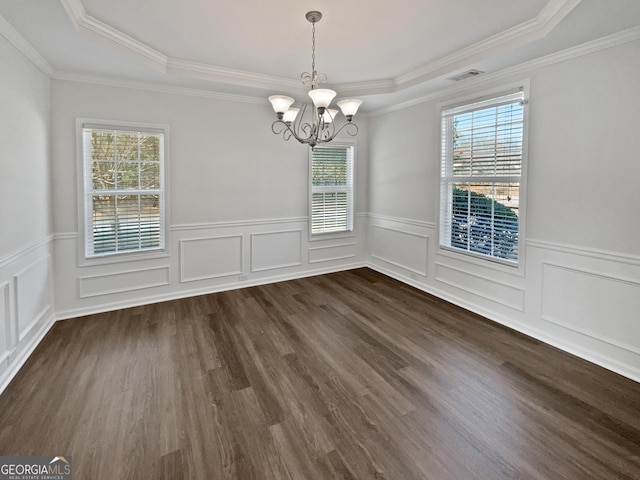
[[482, 160], [124, 190], [331, 189]]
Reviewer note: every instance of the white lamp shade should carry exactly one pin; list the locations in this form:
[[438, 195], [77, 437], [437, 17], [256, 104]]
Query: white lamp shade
[[321, 97], [329, 114], [290, 115], [280, 103], [349, 106]]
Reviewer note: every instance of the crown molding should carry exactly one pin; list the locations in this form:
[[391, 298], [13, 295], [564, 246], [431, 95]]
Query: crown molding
[[511, 38], [24, 47], [75, 11], [528, 31], [371, 88], [155, 87], [228, 75], [86, 23], [603, 43]]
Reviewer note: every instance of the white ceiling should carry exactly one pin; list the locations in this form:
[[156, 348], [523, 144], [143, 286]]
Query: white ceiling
[[379, 50]]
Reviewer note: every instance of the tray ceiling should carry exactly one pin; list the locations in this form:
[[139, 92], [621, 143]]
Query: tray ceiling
[[384, 50]]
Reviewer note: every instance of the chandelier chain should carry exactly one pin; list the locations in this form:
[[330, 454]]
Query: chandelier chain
[[313, 51]]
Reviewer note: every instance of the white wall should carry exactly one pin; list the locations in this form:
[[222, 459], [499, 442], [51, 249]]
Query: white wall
[[580, 289], [26, 298], [238, 200]]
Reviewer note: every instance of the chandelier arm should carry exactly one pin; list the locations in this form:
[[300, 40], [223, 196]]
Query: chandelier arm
[[276, 124], [311, 130], [301, 126], [284, 129], [306, 128], [313, 134], [346, 127], [328, 131], [288, 132]]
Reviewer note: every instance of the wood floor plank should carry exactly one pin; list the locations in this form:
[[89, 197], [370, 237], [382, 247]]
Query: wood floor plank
[[350, 375]]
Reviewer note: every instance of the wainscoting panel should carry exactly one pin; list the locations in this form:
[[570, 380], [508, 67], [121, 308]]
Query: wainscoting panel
[[201, 258], [584, 301], [5, 321], [598, 305], [481, 286], [33, 295], [330, 253], [26, 305], [212, 257], [91, 286], [404, 249], [272, 250]]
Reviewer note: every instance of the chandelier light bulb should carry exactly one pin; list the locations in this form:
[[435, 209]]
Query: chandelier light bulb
[[349, 107], [321, 97], [329, 114], [290, 115], [280, 104]]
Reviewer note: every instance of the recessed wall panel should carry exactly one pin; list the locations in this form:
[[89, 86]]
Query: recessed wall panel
[[476, 284], [211, 257], [329, 253], [273, 250], [403, 249], [32, 294], [119, 282], [5, 318], [602, 306]]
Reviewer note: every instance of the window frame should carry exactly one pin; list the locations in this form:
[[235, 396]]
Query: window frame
[[488, 97], [350, 230], [83, 169]]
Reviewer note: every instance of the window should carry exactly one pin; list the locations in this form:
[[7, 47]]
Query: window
[[123, 190], [331, 189], [481, 177]]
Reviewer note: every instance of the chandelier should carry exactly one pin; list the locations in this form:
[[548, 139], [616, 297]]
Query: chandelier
[[313, 124]]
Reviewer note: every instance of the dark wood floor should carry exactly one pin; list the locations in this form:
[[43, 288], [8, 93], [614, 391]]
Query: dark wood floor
[[350, 375]]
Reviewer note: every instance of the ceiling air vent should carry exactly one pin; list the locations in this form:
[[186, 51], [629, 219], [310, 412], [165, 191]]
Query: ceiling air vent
[[465, 75]]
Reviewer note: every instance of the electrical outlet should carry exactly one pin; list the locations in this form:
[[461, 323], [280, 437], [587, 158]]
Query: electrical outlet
[[12, 356], [243, 278]]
